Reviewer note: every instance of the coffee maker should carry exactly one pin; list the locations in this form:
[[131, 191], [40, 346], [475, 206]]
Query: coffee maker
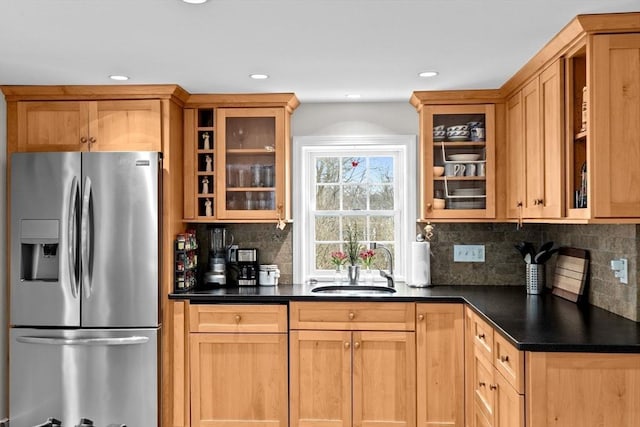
[[219, 243], [243, 267]]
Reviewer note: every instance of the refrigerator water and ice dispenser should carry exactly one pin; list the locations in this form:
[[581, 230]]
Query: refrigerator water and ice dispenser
[[39, 249]]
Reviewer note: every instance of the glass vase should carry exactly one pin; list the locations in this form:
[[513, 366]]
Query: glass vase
[[337, 275], [354, 274]]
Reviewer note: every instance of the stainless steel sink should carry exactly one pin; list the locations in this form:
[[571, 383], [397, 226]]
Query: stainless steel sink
[[355, 290]]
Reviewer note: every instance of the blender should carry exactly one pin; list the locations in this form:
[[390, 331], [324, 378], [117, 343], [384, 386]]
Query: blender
[[218, 246]]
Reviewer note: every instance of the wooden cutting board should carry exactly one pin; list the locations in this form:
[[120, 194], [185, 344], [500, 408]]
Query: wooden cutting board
[[571, 271]]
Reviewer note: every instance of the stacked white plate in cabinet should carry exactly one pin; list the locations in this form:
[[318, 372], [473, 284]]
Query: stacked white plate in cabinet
[[470, 157]]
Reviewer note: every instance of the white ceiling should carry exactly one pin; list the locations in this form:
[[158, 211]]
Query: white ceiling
[[319, 49]]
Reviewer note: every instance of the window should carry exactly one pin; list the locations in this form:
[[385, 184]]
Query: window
[[366, 183]]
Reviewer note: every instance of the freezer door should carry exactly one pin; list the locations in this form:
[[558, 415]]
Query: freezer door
[[119, 239], [107, 376], [44, 277]]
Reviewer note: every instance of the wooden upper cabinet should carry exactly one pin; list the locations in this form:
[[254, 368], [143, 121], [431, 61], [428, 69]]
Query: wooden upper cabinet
[[53, 126], [125, 125], [237, 158], [457, 162], [252, 159], [535, 147], [614, 125], [552, 140], [121, 125], [515, 157]]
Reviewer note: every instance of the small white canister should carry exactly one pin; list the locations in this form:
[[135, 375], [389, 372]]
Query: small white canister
[[269, 274]]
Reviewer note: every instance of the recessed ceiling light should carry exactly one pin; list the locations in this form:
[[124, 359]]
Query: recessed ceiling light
[[195, 1], [259, 76], [353, 95], [119, 78], [428, 74]]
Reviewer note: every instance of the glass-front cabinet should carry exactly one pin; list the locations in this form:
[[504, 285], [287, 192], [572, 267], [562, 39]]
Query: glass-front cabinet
[[458, 161], [251, 144], [236, 158]]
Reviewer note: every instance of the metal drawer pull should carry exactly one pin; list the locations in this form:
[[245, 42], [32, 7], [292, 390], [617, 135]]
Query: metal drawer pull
[[482, 384], [83, 341], [493, 386]]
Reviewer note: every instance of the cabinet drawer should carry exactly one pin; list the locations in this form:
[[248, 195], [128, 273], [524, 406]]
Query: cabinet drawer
[[237, 318], [481, 334], [483, 385], [385, 316], [509, 361]]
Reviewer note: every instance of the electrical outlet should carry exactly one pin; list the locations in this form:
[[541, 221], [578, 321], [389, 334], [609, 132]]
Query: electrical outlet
[[468, 253]]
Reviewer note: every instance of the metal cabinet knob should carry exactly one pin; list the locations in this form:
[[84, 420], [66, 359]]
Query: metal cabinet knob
[[429, 206], [92, 139], [83, 139], [481, 336], [482, 384], [493, 386], [504, 359], [238, 318], [421, 317], [352, 315]]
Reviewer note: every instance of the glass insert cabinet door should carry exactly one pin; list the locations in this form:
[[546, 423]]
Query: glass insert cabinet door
[[251, 143], [458, 158]]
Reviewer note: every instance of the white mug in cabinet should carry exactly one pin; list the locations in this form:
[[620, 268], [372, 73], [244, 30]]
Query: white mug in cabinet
[[454, 169], [470, 169]]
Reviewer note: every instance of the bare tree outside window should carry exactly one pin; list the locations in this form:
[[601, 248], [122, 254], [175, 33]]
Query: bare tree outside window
[[353, 191]]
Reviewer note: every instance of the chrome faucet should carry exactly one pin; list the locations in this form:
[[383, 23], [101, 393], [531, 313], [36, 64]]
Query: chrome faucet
[[389, 256]]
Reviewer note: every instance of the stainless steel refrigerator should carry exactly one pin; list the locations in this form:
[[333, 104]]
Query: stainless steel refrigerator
[[84, 339]]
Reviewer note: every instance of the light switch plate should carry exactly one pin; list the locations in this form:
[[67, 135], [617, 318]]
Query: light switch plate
[[620, 269], [468, 253]]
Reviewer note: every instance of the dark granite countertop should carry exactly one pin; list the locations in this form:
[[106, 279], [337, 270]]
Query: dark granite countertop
[[530, 322]]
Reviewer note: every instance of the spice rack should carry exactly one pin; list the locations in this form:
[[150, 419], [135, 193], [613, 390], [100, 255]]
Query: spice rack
[[185, 262]]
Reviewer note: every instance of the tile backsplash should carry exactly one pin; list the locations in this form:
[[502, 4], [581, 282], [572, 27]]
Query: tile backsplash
[[503, 264], [605, 243]]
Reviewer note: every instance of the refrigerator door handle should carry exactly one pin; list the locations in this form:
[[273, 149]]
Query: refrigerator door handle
[[72, 239], [83, 341], [85, 238]]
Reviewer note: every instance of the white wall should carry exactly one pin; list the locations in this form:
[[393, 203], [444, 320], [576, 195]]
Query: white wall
[[355, 118], [3, 289]]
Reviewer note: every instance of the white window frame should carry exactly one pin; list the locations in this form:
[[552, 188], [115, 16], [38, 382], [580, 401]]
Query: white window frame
[[305, 147]]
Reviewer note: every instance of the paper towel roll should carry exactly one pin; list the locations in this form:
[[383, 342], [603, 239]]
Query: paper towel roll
[[420, 264]]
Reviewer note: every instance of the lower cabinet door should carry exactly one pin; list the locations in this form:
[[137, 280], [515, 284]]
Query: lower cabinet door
[[238, 380], [320, 378], [478, 419], [384, 379], [440, 365], [509, 404]]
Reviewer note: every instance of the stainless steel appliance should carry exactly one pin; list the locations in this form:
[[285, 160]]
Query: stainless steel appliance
[[247, 266], [84, 289], [218, 249]]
